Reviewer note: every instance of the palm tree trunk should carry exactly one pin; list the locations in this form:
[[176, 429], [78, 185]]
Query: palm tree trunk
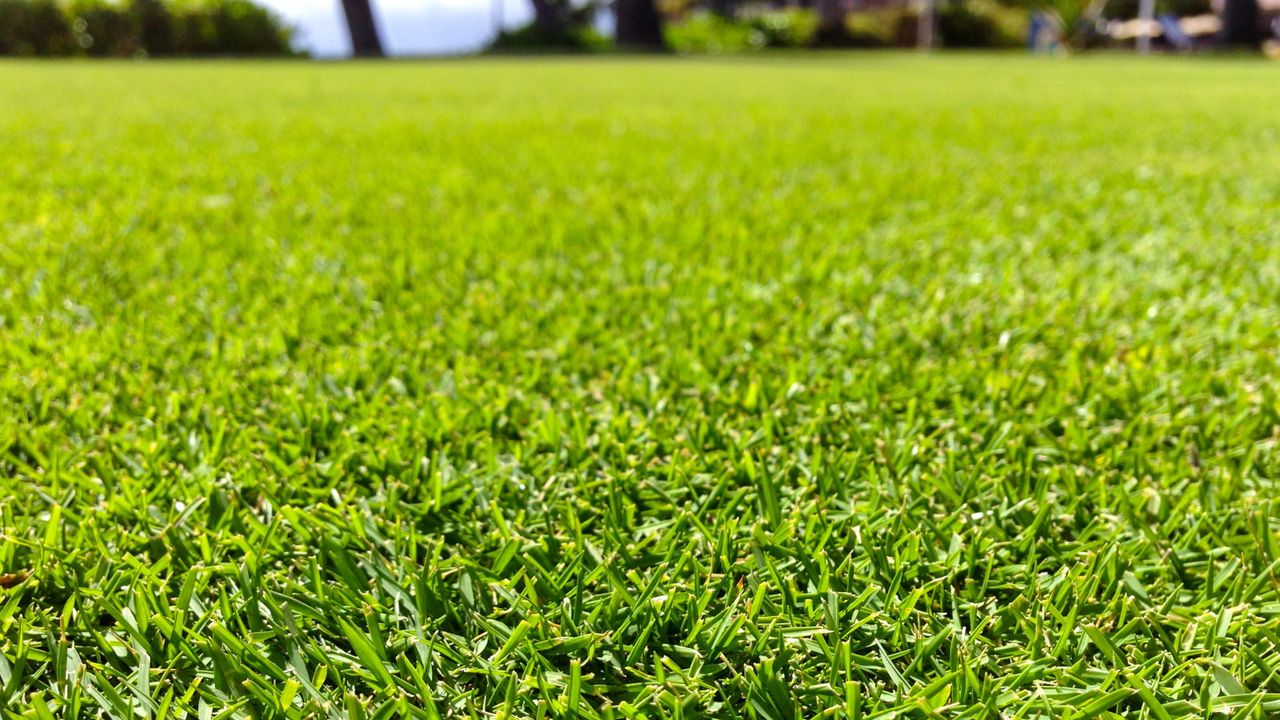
[[364, 31], [1239, 24], [639, 25], [831, 30], [549, 17]]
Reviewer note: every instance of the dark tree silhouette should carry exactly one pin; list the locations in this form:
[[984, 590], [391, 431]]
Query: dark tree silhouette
[[155, 27], [724, 8], [639, 25], [1240, 20], [551, 17], [364, 32], [831, 31]]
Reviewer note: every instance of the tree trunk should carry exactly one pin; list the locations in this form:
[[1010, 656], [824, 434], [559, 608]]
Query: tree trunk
[[927, 30], [364, 32], [831, 30], [549, 17], [639, 26], [1240, 22]]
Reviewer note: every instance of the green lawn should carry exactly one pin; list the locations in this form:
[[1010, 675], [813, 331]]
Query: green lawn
[[861, 386]]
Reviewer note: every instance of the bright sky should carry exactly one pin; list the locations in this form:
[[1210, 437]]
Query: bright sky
[[409, 27]]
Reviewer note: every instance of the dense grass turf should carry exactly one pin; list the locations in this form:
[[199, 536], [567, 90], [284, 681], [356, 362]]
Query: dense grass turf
[[864, 386]]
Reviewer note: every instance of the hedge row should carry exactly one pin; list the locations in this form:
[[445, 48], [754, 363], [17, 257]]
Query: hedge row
[[141, 27]]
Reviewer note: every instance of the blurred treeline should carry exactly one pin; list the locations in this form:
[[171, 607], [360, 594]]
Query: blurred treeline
[[723, 27], [969, 24], [730, 26], [137, 28]]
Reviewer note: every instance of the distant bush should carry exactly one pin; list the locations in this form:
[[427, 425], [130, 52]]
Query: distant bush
[[116, 29], [704, 32], [104, 30], [968, 25], [230, 27], [155, 26], [533, 38], [875, 28], [790, 28], [1127, 9], [34, 27]]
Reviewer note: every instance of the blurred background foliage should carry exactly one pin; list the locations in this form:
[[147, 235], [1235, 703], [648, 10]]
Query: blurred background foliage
[[160, 28], [967, 24], [100, 28]]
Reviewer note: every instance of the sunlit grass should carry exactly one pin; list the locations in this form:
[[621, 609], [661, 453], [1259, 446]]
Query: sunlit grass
[[867, 386]]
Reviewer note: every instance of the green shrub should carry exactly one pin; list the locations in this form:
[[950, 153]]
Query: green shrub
[[874, 28], [969, 24], [1125, 9], [155, 26], [230, 27], [245, 28], [34, 27], [109, 29], [105, 30], [966, 25], [790, 28], [705, 32], [533, 38]]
